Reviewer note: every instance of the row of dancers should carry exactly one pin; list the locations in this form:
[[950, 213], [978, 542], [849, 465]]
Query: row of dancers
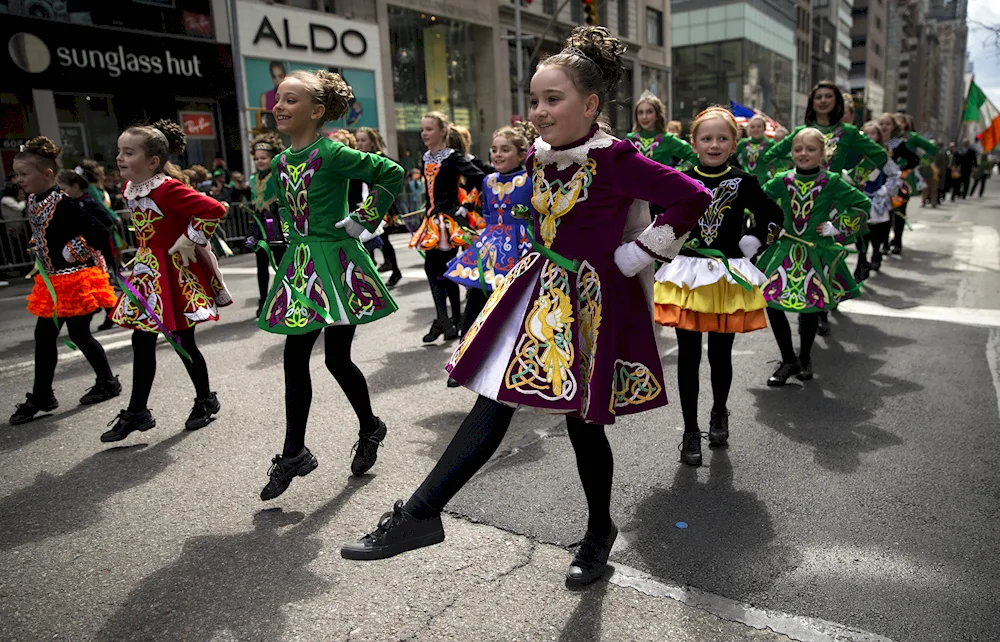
[[588, 240]]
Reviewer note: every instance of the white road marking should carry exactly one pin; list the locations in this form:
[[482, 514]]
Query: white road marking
[[20, 297], [962, 316], [797, 627], [978, 251], [249, 271], [66, 354]]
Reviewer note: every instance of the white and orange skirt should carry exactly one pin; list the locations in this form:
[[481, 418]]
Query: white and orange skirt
[[699, 294]]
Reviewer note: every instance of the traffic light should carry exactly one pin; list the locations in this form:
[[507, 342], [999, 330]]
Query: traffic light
[[590, 11]]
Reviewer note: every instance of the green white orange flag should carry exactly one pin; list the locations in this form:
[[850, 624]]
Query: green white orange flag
[[980, 111]]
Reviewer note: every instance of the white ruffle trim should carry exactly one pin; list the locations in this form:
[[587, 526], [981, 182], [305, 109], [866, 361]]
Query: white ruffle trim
[[133, 190], [698, 272], [563, 158]]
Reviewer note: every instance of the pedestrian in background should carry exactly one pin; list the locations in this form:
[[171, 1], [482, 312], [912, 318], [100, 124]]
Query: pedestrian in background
[[982, 174], [414, 190], [371, 141]]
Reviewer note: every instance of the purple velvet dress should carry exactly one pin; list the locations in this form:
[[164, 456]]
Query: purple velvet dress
[[567, 332]]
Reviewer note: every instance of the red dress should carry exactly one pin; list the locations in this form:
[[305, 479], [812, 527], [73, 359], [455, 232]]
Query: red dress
[[162, 210]]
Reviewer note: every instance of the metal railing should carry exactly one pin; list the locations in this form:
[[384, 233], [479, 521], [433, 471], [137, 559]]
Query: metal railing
[[15, 238]]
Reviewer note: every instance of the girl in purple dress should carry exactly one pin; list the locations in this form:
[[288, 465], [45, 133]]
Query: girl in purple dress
[[569, 330]]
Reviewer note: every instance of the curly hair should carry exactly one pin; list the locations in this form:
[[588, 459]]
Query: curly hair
[[328, 89], [651, 99], [593, 60], [199, 174], [344, 137], [520, 134], [161, 140], [42, 151], [269, 142]]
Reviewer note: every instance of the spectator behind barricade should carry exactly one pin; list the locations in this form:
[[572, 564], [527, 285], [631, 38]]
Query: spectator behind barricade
[[202, 180], [414, 191], [219, 190], [239, 189], [220, 164], [15, 227]]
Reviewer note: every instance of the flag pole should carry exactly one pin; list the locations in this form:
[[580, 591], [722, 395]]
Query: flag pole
[[965, 105]]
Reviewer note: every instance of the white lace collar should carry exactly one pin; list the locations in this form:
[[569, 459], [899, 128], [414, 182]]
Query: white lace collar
[[438, 156], [563, 158], [138, 190]]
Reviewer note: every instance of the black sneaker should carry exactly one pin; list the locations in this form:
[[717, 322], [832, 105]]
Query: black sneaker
[[862, 272], [26, 411], [896, 249], [107, 324], [397, 532], [451, 332], [591, 558], [201, 413], [102, 391], [781, 375], [823, 327], [366, 448], [436, 331], [386, 267], [394, 280], [876, 265], [807, 370], [718, 428], [690, 448], [283, 469], [260, 307], [128, 422]]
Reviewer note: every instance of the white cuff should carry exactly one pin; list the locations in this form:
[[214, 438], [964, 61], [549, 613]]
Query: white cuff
[[352, 227], [631, 259], [661, 242], [829, 229], [68, 255], [749, 245]]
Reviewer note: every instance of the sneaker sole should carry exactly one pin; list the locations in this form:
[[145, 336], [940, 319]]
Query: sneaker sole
[[715, 441], [385, 552], [32, 417]]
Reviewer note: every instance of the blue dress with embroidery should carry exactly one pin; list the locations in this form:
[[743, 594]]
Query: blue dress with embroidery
[[504, 240]]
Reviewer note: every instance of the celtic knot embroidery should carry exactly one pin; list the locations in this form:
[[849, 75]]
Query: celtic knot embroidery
[[553, 200], [803, 195], [632, 384]]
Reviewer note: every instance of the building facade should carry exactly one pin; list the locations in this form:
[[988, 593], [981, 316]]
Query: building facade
[[913, 63], [803, 57], [741, 51], [839, 13], [868, 57]]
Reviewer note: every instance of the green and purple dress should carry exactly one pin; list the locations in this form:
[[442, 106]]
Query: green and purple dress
[[326, 277], [846, 145], [666, 149], [807, 272]]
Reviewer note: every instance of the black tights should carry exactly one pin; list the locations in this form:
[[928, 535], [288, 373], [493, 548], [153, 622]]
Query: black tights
[[475, 301], [389, 253], [47, 350], [783, 334], [144, 366], [720, 358], [263, 275], [478, 438], [899, 224], [298, 383], [443, 290]]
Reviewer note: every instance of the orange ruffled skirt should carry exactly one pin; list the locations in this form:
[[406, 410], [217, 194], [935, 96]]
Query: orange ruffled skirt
[[77, 293], [715, 303]]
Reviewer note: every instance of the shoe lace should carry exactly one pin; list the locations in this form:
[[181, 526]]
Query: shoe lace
[[276, 465], [366, 445], [689, 437], [590, 549], [387, 521], [120, 417]]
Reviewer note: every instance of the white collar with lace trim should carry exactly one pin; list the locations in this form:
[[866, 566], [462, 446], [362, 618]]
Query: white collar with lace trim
[[438, 156], [563, 158], [134, 190]]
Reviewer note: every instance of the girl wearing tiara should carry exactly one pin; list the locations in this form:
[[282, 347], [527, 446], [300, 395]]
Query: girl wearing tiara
[[650, 135], [569, 331], [264, 199]]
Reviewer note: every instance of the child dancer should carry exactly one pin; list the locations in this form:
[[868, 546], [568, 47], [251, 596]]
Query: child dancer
[[750, 150], [326, 281], [370, 140], [567, 331], [697, 292], [443, 231], [264, 199], [805, 267], [879, 186], [484, 266], [176, 283], [72, 280], [77, 188], [907, 148], [650, 135]]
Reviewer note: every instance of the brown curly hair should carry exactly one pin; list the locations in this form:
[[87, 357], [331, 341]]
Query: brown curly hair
[[344, 137], [456, 141], [200, 174], [520, 134], [42, 151], [378, 143], [593, 58], [161, 140], [269, 142], [327, 89]]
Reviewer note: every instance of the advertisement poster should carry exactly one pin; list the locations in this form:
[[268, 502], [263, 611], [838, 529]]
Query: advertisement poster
[[263, 77]]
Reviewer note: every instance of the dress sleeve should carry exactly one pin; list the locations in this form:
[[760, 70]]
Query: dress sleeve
[[920, 142], [88, 234], [383, 175], [767, 215], [851, 208], [868, 148], [683, 199], [204, 211]]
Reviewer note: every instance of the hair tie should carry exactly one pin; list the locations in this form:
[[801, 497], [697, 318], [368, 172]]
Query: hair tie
[[78, 170]]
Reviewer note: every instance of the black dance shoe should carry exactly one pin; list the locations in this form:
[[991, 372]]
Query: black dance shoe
[[436, 331], [781, 375], [26, 411], [201, 413], [397, 532], [453, 384], [823, 327], [806, 372], [107, 324], [591, 558], [690, 448], [102, 391], [393, 280], [896, 249], [260, 307], [386, 267], [451, 332], [283, 469], [718, 428], [876, 265], [128, 422], [366, 448], [862, 272]]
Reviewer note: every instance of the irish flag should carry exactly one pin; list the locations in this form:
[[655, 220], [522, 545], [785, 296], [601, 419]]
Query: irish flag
[[980, 111]]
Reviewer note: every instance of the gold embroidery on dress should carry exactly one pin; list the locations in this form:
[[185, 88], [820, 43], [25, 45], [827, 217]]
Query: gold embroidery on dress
[[632, 384], [589, 305], [553, 200]]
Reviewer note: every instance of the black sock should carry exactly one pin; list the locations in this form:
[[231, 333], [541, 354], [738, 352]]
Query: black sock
[[46, 356], [808, 324], [298, 390], [196, 368], [143, 369], [782, 334]]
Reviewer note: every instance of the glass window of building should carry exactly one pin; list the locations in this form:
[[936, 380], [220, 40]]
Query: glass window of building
[[433, 69], [548, 7], [619, 112], [654, 27], [174, 17], [623, 18]]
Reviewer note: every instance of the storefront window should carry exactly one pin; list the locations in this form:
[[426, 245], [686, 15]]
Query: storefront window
[[433, 67], [175, 17], [88, 128]]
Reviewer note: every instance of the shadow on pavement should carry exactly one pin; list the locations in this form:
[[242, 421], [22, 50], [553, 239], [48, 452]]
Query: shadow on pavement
[[57, 505], [584, 624], [442, 427], [406, 368], [834, 413], [235, 584]]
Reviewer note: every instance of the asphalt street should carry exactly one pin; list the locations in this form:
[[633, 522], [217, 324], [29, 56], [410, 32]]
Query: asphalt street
[[858, 506]]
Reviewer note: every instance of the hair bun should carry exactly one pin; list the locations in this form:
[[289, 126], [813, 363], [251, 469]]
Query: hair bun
[[43, 146], [597, 44], [338, 95], [176, 140], [528, 130]]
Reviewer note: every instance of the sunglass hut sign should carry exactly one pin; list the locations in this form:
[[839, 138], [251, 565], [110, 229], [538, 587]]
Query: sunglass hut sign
[[118, 61]]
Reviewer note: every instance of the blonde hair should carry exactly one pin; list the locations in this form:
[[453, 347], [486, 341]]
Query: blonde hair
[[344, 137], [456, 141], [878, 131], [378, 143], [520, 134], [328, 89], [161, 140], [442, 120], [660, 125], [757, 119], [675, 124], [715, 112], [810, 132]]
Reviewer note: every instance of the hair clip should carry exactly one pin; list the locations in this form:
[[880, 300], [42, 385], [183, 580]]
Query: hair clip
[[78, 170]]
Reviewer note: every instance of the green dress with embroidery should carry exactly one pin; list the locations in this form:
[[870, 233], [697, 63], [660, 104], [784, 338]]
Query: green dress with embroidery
[[749, 156], [846, 145], [326, 277], [807, 272], [666, 149]]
